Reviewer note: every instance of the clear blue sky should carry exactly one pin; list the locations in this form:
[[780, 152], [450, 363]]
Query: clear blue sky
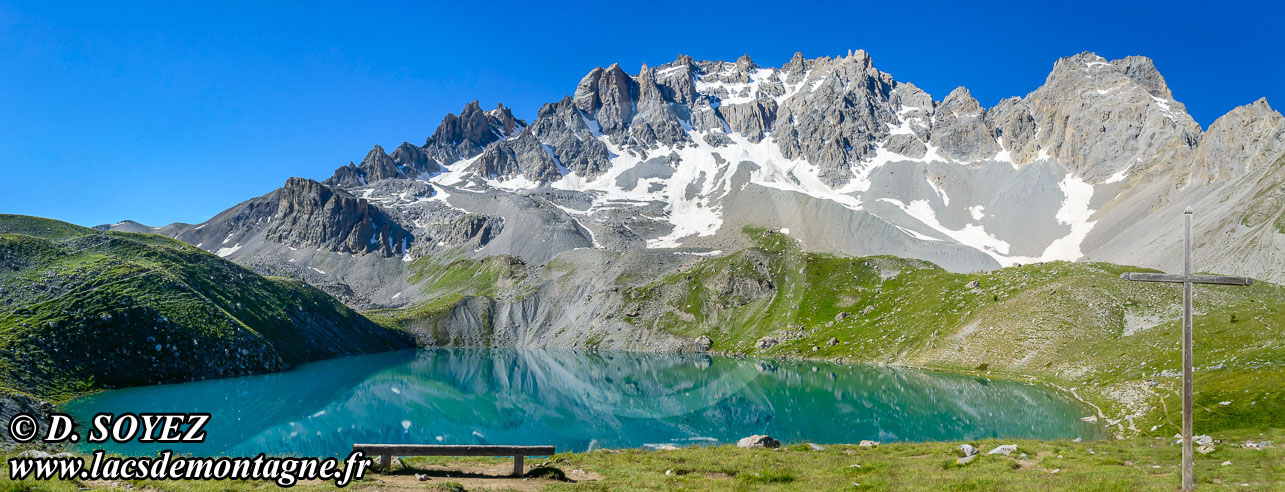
[[161, 112]]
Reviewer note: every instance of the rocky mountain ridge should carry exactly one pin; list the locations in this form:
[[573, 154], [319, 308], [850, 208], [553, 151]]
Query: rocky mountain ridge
[[1094, 164]]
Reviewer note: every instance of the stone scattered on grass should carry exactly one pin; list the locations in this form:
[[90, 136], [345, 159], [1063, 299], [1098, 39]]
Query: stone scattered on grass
[[967, 449], [758, 441], [868, 443], [1227, 463], [662, 447], [1005, 450], [816, 447], [1249, 444]]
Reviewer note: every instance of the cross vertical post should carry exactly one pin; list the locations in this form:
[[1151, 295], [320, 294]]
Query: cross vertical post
[[1188, 464], [1188, 281]]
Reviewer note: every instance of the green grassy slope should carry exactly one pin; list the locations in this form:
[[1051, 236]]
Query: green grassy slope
[[82, 309], [1075, 325], [449, 279]]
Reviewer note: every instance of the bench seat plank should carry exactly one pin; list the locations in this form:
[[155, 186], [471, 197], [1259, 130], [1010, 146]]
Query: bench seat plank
[[452, 450]]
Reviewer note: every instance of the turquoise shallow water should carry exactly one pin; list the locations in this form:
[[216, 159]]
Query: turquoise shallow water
[[581, 400]]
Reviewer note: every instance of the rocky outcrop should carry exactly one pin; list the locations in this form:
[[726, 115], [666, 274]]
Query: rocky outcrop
[[835, 121], [608, 96], [376, 166], [466, 135], [758, 441], [655, 123], [414, 162], [562, 127], [523, 156], [13, 404], [311, 214], [473, 230], [1246, 138], [1098, 117], [960, 129]]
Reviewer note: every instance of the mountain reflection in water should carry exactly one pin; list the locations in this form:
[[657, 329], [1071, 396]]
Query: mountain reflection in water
[[579, 400]]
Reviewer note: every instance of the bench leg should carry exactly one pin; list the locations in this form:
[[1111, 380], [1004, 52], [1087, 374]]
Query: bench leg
[[386, 462], [517, 465]]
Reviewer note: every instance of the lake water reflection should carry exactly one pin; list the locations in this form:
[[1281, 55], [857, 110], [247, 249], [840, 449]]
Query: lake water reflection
[[579, 400]]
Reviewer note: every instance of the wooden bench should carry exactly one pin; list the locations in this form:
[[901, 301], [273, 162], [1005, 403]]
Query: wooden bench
[[386, 452]]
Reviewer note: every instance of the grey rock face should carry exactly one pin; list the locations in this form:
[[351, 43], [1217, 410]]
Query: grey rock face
[[414, 161], [562, 127], [464, 136], [678, 82], [1098, 116], [615, 99], [349, 176], [473, 230], [752, 119], [312, 214], [607, 96], [586, 95], [655, 122], [914, 108], [1246, 138], [960, 128], [376, 166], [523, 156], [906, 145], [1015, 129], [13, 404], [835, 121]]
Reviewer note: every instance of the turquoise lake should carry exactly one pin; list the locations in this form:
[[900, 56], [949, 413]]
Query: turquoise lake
[[581, 400]]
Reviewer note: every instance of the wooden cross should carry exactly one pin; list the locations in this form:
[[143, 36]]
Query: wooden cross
[[1187, 279]]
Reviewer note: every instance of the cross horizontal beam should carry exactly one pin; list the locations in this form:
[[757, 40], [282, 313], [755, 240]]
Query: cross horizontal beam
[[1195, 279]]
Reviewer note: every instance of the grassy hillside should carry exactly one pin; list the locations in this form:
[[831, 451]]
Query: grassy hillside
[[1075, 325], [448, 279], [82, 309]]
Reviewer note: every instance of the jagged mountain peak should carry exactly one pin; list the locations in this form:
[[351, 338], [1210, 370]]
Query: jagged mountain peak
[[465, 135], [796, 64], [859, 57], [375, 166], [962, 102], [1248, 137], [376, 155]]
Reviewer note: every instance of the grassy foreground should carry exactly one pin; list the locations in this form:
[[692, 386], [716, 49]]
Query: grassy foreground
[[1128, 464]]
